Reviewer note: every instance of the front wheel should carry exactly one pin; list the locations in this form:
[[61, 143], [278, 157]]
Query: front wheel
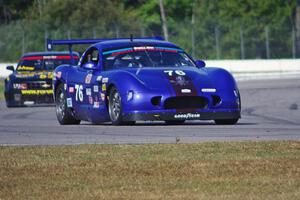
[[226, 121], [63, 113], [115, 107]]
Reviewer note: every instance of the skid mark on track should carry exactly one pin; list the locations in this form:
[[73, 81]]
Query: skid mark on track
[[19, 115], [250, 112]]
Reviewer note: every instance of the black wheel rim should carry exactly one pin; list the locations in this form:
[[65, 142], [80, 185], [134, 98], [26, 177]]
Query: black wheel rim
[[115, 106], [61, 105]]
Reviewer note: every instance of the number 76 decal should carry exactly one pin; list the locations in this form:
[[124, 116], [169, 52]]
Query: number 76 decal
[[178, 72], [79, 93]]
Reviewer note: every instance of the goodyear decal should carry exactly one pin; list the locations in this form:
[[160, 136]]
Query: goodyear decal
[[36, 92]]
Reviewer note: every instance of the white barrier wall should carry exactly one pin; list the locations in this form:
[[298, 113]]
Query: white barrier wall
[[3, 71], [241, 69]]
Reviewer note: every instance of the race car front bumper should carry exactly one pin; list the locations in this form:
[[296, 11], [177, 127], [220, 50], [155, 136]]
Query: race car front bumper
[[16, 98], [182, 115]]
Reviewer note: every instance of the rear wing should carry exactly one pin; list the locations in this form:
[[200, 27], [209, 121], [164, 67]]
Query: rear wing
[[71, 42]]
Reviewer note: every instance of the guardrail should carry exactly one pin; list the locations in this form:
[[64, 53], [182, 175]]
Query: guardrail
[[241, 69]]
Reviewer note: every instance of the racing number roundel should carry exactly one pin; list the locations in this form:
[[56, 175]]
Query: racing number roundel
[[178, 72]]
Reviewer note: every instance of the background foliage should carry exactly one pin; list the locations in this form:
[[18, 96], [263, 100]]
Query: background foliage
[[222, 29]]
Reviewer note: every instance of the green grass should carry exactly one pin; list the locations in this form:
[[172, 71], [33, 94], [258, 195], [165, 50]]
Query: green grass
[[216, 170], [1, 89]]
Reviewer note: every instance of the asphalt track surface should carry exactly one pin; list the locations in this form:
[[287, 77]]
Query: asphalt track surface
[[270, 111]]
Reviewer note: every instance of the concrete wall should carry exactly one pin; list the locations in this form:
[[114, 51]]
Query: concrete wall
[[241, 69]]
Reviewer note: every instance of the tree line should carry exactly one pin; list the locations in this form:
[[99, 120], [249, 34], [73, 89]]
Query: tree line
[[208, 29]]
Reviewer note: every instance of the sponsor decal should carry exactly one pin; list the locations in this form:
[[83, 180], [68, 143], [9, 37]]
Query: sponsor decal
[[96, 104], [96, 88], [88, 91], [20, 86], [103, 87], [99, 78], [50, 75], [45, 85], [71, 89], [180, 80], [208, 90], [143, 48], [88, 78], [26, 68], [69, 103], [58, 74], [187, 116], [29, 75], [105, 80], [102, 96], [36, 92], [43, 76], [91, 100], [184, 91], [181, 83]]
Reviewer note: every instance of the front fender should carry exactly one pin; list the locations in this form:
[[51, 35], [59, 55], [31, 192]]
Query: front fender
[[125, 81], [221, 78]]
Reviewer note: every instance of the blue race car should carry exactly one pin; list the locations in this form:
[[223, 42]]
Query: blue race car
[[128, 80]]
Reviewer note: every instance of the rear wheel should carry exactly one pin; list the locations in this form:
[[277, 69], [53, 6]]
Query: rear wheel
[[63, 113], [174, 122], [226, 121]]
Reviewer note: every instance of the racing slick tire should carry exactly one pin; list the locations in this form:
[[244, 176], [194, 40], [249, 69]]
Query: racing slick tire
[[63, 113], [226, 121], [115, 108], [174, 122]]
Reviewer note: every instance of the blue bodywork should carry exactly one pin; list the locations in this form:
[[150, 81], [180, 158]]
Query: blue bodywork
[[147, 93]]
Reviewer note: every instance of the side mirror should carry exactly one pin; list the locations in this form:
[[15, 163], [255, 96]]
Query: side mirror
[[11, 68], [200, 63], [89, 65]]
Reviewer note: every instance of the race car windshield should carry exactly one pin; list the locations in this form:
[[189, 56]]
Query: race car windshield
[[39, 63], [146, 57]]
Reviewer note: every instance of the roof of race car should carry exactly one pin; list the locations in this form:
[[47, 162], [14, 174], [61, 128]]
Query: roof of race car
[[49, 53], [118, 43]]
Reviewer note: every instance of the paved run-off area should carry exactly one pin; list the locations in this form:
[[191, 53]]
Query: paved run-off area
[[270, 111]]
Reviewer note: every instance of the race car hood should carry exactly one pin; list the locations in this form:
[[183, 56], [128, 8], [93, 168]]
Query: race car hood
[[24, 75], [187, 79]]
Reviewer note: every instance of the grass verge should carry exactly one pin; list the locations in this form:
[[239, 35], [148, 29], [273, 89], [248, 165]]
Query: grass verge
[[216, 170], [1, 89]]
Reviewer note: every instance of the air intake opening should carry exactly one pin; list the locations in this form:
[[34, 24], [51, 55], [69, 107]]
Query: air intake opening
[[156, 100], [216, 100], [186, 102]]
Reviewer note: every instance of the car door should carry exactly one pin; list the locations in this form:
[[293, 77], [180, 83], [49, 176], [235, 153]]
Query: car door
[[80, 84], [97, 110]]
